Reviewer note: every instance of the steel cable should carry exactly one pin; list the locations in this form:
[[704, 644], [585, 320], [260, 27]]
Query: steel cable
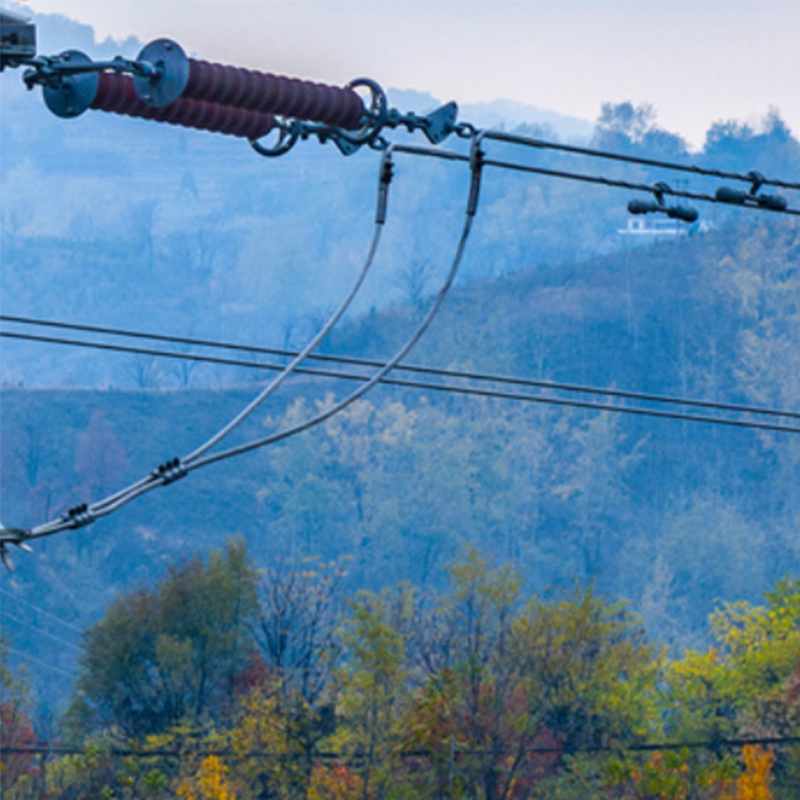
[[389, 365], [482, 377], [155, 479], [541, 144], [298, 359], [487, 393], [87, 514], [614, 183]]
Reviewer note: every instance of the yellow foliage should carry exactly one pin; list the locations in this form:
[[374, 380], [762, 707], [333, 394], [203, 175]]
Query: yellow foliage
[[208, 784], [753, 783]]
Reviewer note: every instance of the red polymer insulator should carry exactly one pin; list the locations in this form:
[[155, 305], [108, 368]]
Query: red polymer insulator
[[116, 93], [273, 94]]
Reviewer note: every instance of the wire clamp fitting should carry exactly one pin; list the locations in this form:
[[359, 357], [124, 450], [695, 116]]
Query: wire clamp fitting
[[78, 517], [384, 180], [477, 157], [170, 472]]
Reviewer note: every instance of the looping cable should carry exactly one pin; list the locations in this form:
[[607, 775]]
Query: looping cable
[[177, 468], [476, 164], [380, 218]]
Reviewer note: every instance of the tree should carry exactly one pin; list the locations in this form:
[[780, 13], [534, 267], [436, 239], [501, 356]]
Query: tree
[[100, 459], [374, 687], [172, 653], [745, 685], [293, 706], [503, 680], [17, 770]]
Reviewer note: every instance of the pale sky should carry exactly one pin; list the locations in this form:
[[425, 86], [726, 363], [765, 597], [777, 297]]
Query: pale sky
[[696, 61]]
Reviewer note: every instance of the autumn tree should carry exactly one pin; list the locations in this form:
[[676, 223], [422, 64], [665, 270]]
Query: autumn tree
[[504, 679], [374, 688], [291, 706], [17, 770]]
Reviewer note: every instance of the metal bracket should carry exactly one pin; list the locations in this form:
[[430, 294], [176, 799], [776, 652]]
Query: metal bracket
[[17, 40], [441, 123], [346, 147]]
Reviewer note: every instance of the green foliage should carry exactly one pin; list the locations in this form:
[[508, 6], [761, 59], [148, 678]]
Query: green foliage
[[171, 653], [744, 685], [374, 685]]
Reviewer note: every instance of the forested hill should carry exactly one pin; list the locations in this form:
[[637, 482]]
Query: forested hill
[[109, 221], [676, 516]]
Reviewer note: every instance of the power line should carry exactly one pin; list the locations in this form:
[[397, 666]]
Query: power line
[[178, 468], [39, 663], [41, 610], [541, 144], [511, 380], [464, 390], [658, 190], [710, 744], [42, 631]]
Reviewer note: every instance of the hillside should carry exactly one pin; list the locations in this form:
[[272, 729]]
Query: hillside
[[676, 516]]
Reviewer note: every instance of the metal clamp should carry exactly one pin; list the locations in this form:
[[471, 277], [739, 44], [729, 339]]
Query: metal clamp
[[12, 536], [170, 472], [78, 517]]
